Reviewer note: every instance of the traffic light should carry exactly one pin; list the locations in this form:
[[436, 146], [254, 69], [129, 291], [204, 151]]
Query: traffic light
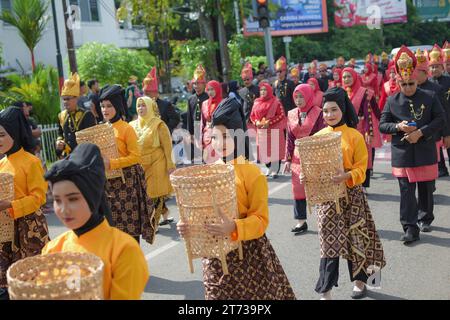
[[262, 11]]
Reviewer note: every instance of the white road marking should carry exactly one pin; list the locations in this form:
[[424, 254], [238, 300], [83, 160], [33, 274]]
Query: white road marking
[[172, 244]]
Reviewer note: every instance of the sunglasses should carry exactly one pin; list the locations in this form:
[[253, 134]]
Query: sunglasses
[[246, 79], [408, 84]]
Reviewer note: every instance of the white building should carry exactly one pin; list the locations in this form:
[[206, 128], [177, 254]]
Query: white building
[[97, 22]]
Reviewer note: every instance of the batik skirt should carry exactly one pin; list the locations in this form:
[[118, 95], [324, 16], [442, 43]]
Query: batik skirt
[[30, 237], [259, 276], [131, 207]]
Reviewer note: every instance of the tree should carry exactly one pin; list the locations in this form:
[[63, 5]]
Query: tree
[[28, 16]]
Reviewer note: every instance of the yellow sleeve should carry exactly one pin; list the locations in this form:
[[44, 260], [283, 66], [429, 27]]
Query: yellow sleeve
[[257, 220], [359, 165], [166, 144], [133, 154], [129, 274], [37, 189]]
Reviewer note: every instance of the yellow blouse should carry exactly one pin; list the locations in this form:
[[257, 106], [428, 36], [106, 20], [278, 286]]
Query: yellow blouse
[[126, 140], [354, 153], [126, 272], [30, 188], [252, 196]]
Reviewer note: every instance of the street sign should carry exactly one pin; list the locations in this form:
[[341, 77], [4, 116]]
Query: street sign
[[287, 39]]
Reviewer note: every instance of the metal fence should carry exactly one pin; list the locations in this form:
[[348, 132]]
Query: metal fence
[[48, 139]]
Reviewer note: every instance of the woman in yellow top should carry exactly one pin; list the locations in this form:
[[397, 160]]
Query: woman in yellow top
[[30, 225], [259, 276], [155, 146], [78, 188], [131, 208], [350, 234]]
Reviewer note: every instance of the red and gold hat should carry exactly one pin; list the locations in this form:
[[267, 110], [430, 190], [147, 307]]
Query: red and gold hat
[[436, 56], [281, 64], [199, 74], [384, 56], [150, 82], [295, 72], [446, 49], [405, 64], [422, 60], [247, 71], [369, 58]]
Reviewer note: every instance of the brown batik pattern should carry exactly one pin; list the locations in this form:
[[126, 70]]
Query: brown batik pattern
[[131, 208], [259, 276], [30, 237], [350, 234]]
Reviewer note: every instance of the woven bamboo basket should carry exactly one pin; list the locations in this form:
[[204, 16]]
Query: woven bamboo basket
[[57, 276], [320, 158], [200, 191], [102, 135], [7, 194]]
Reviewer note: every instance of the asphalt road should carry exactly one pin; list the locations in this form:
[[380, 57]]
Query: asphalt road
[[418, 271]]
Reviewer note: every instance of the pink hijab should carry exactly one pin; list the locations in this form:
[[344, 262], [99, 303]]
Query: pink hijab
[[308, 94]]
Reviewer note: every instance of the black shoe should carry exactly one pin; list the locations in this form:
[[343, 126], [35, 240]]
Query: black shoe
[[4, 294], [302, 229], [424, 227], [443, 174], [410, 236], [359, 294], [166, 221]]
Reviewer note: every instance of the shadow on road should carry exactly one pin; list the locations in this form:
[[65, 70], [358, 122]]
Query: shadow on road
[[383, 197], [424, 238], [169, 231], [191, 290], [382, 296]]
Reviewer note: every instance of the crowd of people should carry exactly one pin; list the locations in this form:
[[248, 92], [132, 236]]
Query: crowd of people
[[404, 100]]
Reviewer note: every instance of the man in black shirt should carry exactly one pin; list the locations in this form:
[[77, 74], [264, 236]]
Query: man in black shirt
[[283, 87], [249, 92], [93, 96]]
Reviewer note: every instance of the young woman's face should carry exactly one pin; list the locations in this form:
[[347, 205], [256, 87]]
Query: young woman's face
[[222, 141], [392, 74], [313, 86], [332, 114], [70, 205], [335, 76], [299, 100], [142, 109], [108, 110], [211, 92], [6, 141], [347, 78], [263, 92]]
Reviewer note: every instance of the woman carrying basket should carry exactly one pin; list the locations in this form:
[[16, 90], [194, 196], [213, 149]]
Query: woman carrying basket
[[78, 188], [155, 146], [131, 208], [303, 121], [351, 233], [30, 226], [259, 276]]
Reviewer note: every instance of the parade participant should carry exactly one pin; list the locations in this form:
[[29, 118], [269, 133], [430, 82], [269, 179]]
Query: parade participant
[[214, 90], [72, 119], [303, 121], [337, 78], [389, 87], [443, 136], [384, 65], [248, 93], [270, 120], [131, 208], [283, 87], [155, 146], [436, 64], [295, 75], [363, 100], [324, 77], [413, 116], [318, 94], [78, 188], [30, 225], [340, 63], [351, 63], [369, 79], [351, 233], [132, 93], [93, 96], [259, 275], [166, 109], [446, 50], [312, 72]]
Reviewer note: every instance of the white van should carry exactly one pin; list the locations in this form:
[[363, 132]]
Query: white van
[[412, 48]]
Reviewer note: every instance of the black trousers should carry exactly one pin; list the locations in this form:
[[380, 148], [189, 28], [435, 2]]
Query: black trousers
[[300, 209], [412, 209], [329, 274]]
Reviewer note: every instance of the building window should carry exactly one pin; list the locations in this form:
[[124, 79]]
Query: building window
[[5, 5], [88, 9]]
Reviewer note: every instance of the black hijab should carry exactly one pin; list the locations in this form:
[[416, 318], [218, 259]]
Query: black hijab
[[15, 123], [339, 95], [116, 95], [85, 168]]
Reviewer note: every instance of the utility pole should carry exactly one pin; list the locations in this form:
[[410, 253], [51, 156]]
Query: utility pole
[[69, 37], [58, 48], [286, 41], [236, 13], [263, 16], [269, 49], [224, 55]]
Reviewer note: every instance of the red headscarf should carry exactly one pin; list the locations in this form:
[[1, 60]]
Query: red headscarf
[[392, 82], [339, 72], [369, 69], [262, 105], [214, 102], [356, 82], [308, 94], [316, 84]]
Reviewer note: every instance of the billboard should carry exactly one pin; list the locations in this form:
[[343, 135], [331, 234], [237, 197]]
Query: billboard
[[433, 9], [364, 12], [291, 17]]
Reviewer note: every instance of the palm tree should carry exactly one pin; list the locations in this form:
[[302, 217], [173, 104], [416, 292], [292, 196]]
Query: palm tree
[[28, 16]]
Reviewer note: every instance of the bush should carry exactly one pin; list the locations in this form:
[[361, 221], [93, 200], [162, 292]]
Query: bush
[[112, 65]]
